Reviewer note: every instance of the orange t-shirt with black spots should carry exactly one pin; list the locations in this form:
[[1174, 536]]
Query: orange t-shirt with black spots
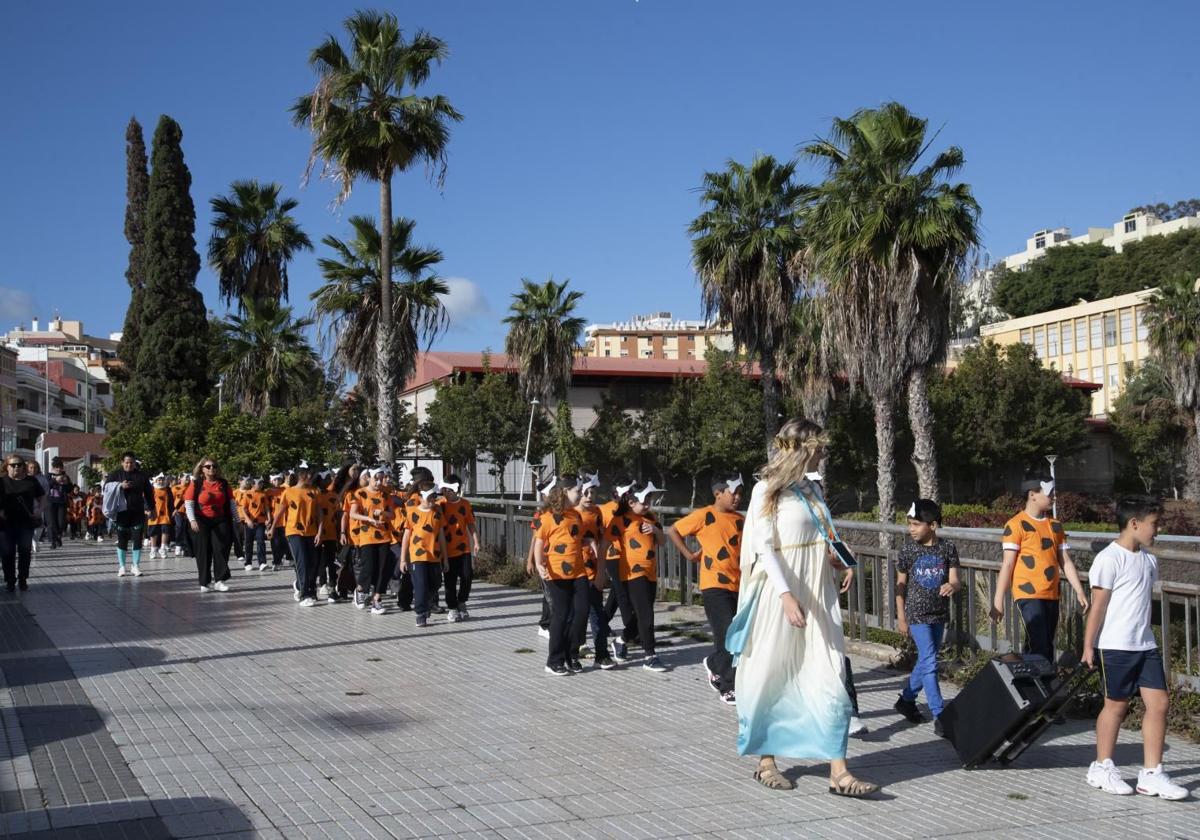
[[298, 509], [1039, 544], [162, 507], [273, 495], [593, 527], [562, 535], [638, 551], [254, 506], [329, 514], [423, 528], [720, 538], [458, 517], [95, 508], [177, 491], [607, 511], [352, 527], [376, 504]]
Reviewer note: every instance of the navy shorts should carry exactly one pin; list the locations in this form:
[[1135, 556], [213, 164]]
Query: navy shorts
[[158, 531], [1125, 671]]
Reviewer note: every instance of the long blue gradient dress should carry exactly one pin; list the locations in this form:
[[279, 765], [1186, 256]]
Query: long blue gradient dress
[[791, 700]]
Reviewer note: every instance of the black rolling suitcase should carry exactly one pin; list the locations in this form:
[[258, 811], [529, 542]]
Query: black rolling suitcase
[[1008, 706]]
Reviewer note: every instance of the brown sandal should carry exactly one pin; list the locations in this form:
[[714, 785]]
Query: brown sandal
[[855, 788], [772, 778]]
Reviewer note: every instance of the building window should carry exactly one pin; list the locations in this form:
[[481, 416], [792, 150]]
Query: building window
[[1110, 330], [1114, 380], [1080, 335], [1130, 225], [607, 352], [1039, 242], [1027, 337], [1068, 338], [1126, 326], [1097, 334], [1098, 375], [1052, 340], [1039, 341], [1140, 315]]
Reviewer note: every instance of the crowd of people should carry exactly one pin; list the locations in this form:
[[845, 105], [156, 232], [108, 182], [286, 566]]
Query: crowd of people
[[770, 579]]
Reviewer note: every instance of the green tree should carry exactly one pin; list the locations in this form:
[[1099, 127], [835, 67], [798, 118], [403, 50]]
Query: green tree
[[670, 435], [887, 238], [569, 453], [1150, 263], [1152, 427], [173, 355], [254, 237], [367, 121], [805, 361], [265, 360], [348, 305], [137, 187], [454, 423], [543, 337], [1173, 320], [1000, 410], [852, 457], [1169, 212], [173, 441], [505, 416], [727, 403], [1061, 277], [352, 427], [611, 442], [742, 244]]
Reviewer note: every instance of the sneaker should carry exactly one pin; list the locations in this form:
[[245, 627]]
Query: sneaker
[[938, 729], [33, 546], [544, 632], [322, 593], [1154, 781], [99, 539], [295, 592], [439, 609], [204, 589], [729, 698], [241, 559], [653, 663], [178, 548], [452, 617], [857, 727], [575, 665], [463, 615], [249, 567], [360, 601], [120, 571], [308, 602], [1106, 777], [264, 567], [558, 670], [908, 710], [333, 598], [714, 682], [620, 652], [377, 608], [605, 663], [221, 586], [422, 621], [137, 570]]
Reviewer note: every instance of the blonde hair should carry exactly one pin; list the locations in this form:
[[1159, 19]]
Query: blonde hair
[[791, 456]]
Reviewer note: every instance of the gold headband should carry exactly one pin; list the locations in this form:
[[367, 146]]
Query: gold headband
[[807, 445]]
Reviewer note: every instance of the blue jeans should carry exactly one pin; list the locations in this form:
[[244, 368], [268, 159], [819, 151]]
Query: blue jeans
[[928, 638]]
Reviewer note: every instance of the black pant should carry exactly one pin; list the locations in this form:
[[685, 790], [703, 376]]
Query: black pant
[[374, 568], [238, 532], [16, 549], [183, 535], [305, 553], [131, 525], [641, 596], [256, 537], [57, 515], [544, 621], [426, 578], [458, 581], [568, 618], [618, 599], [720, 605], [212, 549], [1041, 623], [347, 564], [327, 568], [279, 547], [404, 598], [598, 620]]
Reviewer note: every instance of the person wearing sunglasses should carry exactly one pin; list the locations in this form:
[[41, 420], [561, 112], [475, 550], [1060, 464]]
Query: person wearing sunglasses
[[128, 500], [212, 514], [21, 504]]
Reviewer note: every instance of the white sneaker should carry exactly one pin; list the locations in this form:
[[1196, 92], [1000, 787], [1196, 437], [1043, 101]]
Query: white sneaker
[[857, 727], [452, 616], [221, 586], [1106, 777], [308, 602], [1154, 781], [204, 589], [544, 632], [33, 546], [99, 539], [137, 570], [263, 567], [120, 571], [178, 550], [322, 593], [249, 567]]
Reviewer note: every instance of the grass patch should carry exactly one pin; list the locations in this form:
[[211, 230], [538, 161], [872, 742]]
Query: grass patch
[[1020, 797], [523, 650]]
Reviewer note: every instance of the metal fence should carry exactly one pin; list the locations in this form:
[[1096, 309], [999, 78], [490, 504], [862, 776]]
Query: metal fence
[[869, 604]]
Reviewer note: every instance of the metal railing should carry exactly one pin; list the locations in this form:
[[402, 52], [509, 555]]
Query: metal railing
[[869, 604]]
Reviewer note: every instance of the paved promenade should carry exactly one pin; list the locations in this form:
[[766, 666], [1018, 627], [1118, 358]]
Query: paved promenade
[[139, 708]]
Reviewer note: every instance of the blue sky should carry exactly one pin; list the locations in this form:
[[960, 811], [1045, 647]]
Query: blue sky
[[588, 126]]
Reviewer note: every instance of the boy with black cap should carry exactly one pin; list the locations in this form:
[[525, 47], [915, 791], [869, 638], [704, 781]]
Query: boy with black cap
[[1036, 557], [718, 529]]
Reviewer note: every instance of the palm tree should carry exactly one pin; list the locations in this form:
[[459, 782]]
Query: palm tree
[[805, 362], [1173, 323], [349, 304], [254, 236], [367, 122], [543, 337], [741, 247], [887, 239], [265, 360]]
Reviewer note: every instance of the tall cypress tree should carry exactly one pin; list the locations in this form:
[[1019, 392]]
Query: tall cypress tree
[[173, 357], [137, 186]]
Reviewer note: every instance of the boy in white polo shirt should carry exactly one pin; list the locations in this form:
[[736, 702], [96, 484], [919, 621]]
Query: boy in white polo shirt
[[1120, 640]]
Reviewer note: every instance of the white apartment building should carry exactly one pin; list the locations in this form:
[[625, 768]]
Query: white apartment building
[[656, 336], [1133, 227]]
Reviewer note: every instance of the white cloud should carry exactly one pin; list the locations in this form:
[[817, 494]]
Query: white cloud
[[15, 306], [464, 302]]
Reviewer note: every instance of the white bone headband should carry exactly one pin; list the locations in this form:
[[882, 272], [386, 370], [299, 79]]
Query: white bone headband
[[160, 477], [814, 476], [1047, 487], [544, 490], [276, 476], [455, 487], [645, 492], [623, 489], [732, 485], [912, 511], [590, 481], [429, 494], [303, 465]]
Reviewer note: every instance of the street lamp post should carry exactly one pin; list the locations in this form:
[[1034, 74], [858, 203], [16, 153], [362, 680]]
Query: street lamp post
[[533, 404], [1052, 459]]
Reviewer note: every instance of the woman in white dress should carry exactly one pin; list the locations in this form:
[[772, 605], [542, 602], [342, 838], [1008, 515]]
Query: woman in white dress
[[787, 636]]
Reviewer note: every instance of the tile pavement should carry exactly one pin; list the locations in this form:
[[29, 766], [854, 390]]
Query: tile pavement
[[140, 708]]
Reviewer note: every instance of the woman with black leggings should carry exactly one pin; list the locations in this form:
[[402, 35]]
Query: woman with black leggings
[[212, 514]]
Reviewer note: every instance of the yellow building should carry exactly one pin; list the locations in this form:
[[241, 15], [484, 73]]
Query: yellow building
[[656, 336], [1094, 341]]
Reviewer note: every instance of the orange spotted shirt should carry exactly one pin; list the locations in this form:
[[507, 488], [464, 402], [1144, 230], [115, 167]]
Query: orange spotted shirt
[[593, 527], [273, 494], [424, 527], [177, 491], [254, 506], [298, 510], [562, 536], [1039, 544], [458, 519], [720, 538], [352, 527], [376, 504], [329, 514], [639, 552], [95, 509], [162, 507], [607, 511]]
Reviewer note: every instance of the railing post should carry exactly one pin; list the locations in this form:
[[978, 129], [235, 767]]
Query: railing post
[[510, 534], [1164, 601]]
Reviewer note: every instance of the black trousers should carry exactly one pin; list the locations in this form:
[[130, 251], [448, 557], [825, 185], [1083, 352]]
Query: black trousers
[[16, 550], [641, 597], [57, 515], [1040, 616], [458, 581], [327, 567], [404, 597], [306, 564], [568, 618], [544, 621], [426, 580], [279, 547], [374, 568], [183, 534], [212, 543], [618, 598], [347, 565], [131, 525], [239, 539], [720, 605]]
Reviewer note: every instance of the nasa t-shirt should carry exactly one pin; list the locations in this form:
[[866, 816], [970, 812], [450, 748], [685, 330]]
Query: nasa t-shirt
[[927, 567]]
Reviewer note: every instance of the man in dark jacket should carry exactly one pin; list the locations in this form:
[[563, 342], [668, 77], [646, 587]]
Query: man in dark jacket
[[136, 500]]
